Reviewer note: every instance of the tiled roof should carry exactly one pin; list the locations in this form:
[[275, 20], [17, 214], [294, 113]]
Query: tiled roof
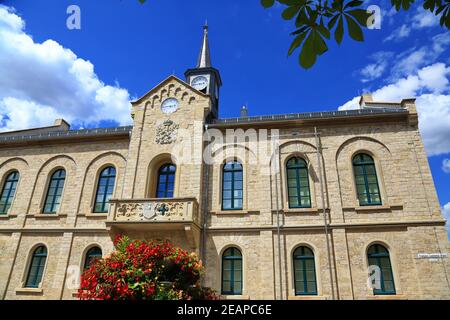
[[309, 115], [84, 133]]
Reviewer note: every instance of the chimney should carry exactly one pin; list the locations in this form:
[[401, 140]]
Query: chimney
[[366, 97], [244, 112], [62, 124]]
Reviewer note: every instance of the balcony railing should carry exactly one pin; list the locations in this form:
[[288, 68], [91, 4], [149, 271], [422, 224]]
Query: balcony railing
[[179, 210]]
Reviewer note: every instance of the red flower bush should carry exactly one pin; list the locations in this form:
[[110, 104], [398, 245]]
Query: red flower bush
[[144, 270]]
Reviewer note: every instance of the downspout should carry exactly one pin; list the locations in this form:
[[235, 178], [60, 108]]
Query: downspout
[[280, 273], [325, 220], [205, 208]]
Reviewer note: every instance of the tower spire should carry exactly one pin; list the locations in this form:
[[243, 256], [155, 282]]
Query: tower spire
[[204, 58]]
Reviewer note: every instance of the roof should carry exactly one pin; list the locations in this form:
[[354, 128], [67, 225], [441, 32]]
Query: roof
[[309, 115], [56, 135]]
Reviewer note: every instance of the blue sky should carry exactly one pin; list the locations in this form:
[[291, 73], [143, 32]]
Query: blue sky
[[124, 48]]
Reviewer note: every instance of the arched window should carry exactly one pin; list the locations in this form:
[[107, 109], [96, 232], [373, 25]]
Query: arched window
[[8, 191], [366, 180], [105, 189], [166, 181], [54, 192], [304, 272], [378, 255], [92, 254], [36, 268], [232, 186], [298, 183], [232, 271]]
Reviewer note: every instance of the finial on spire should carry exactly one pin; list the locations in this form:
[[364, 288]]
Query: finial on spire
[[204, 59]]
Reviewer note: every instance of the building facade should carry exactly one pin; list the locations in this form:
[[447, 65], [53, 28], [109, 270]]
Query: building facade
[[299, 206]]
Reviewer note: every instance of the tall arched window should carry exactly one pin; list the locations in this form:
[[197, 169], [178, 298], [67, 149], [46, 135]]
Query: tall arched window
[[92, 254], [105, 189], [378, 256], [366, 180], [166, 181], [232, 271], [36, 268], [298, 183], [8, 191], [304, 272], [232, 186], [54, 192]]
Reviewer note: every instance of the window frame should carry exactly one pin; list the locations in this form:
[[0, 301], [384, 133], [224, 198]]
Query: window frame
[[233, 171], [105, 204], [166, 183], [232, 270], [364, 166], [298, 186], [378, 256], [303, 258], [86, 266], [47, 195], [15, 182], [41, 266]]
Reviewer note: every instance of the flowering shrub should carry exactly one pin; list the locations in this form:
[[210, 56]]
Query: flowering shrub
[[144, 270]]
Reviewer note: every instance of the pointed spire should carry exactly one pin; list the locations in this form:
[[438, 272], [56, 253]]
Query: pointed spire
[[204, 58]]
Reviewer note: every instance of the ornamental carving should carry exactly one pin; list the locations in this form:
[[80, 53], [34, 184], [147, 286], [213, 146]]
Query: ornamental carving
[[166, 133], [151, 211]]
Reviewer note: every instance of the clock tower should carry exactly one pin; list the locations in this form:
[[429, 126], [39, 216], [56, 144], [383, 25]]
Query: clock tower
[[204, 77]]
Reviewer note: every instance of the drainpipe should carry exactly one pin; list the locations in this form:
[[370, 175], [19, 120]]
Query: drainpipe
[[280, 273], [205, 208], [325, 222]]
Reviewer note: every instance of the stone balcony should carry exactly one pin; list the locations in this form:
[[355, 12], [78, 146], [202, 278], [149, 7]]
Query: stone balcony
[[156, 215]]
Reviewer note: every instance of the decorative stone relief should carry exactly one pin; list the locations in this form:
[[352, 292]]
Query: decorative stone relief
[[166, 133], [151, 211]]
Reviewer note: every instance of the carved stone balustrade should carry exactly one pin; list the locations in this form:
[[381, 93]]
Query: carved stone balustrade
[[156, 215]]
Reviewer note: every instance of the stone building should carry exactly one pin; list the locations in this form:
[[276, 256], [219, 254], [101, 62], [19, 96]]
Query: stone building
[[297, 206]]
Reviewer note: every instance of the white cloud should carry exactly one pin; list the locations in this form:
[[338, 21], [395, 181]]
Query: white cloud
[[399, 33], [419, 20], [446, 165], [424, 19], [376, 69], [43, 81], [431, 87], [411, 60]]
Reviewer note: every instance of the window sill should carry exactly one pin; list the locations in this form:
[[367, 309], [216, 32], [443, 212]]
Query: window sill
[[365, 209], [387, 297], [308, 297], [235, 297], [94, 215], [302, 210], [234, 212], [26, 291], [47, 215], [7, 216]]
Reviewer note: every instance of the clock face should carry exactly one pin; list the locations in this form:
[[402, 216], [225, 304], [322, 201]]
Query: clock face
[[169, 105], [200, 82]]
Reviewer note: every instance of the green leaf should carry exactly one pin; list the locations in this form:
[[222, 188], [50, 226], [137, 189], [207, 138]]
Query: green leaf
[[266, 3], [308, 56], [142, 1], [320, 47], [332, 21], [362, 16], [339, 32], [290, 12], [323, 30], [354, 29], [354, 3], [297, 42]]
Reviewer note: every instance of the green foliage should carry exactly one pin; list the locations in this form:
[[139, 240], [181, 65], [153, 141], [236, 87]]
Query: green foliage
[[315, 20]]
